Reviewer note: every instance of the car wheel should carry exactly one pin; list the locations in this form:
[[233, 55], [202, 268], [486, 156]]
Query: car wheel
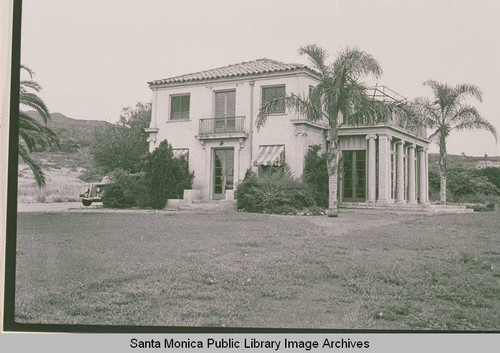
[[86, 202]]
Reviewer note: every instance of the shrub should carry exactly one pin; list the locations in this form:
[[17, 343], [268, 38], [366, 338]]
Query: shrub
[[316, 175], [465, 182], [126, 191], [166, 177], [465, 185], [276, 192], [493, 175]]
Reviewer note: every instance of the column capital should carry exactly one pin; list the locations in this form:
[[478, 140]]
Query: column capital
[[422, 148], [412, 145], [401, 141], [371, 136]]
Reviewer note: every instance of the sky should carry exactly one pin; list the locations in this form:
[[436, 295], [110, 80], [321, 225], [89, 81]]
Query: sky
[[94, 57]]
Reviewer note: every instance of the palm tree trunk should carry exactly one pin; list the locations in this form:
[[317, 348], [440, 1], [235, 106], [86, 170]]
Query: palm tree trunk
[[442, 168], [333, 168]]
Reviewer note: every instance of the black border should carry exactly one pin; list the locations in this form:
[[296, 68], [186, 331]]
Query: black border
[[11, 204], [9, 323]]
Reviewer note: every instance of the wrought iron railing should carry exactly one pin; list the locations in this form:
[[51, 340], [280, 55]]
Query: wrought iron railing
[[383, 93], [231, 124]]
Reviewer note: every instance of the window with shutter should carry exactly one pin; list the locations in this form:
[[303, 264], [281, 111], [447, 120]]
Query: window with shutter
[[225, 104], [271, 93], [179, 107]]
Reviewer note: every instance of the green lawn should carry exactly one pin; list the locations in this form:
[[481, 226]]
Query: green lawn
[[361, 270]]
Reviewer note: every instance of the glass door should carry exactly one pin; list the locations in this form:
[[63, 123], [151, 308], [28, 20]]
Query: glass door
[[354, 176], [223, 172], [225, 110]]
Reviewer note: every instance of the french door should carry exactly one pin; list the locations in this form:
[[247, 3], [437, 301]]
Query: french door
[[225, 110], [354, 176], [223, 169]]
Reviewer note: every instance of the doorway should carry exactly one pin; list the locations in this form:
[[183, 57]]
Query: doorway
[[354, 176], [223, 169]]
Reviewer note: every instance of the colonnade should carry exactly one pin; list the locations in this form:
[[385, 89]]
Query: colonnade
[[384, 170]]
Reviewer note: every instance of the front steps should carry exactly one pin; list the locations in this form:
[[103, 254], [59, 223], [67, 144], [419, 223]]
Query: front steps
[[199, 205], [407, 208]]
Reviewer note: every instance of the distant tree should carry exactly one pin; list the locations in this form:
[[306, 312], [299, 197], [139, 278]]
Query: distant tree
[[124, 144], [33, 134], [448, 111], [166, 177]]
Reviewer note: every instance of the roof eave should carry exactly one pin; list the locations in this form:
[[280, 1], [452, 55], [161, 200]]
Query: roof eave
[[306, 71]]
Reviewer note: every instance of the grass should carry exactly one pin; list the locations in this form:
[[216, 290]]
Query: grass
[[361, 270]]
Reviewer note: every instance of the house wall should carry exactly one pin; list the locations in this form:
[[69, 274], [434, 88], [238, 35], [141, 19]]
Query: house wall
[[278, 130]]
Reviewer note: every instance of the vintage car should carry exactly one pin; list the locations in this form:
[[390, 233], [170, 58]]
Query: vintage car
[[94, 192]]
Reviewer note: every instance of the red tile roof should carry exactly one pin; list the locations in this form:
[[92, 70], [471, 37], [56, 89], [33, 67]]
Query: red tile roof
[[255, 67]]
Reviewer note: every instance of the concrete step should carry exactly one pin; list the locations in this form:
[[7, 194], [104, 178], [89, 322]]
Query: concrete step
[[410, 208]]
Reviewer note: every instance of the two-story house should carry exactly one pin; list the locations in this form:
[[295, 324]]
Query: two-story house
[[210, 118]]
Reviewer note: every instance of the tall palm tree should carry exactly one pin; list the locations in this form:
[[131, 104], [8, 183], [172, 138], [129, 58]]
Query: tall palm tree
[[32, 133], [448, 111], [339, 98]]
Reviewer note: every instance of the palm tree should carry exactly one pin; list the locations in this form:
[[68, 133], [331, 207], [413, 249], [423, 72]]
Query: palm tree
[[448, 111], [33, 134], [339, 98]]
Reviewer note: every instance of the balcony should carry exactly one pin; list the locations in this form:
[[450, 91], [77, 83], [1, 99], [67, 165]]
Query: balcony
[[227, 127]]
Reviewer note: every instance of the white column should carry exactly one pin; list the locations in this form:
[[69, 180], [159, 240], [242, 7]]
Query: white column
[[423, 176], [372, 169], [400, 173], [411, 175], [384, 169]]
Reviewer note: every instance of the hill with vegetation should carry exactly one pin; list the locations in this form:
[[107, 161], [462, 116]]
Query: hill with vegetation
[[72, 133], [463, 162], [66, 167]]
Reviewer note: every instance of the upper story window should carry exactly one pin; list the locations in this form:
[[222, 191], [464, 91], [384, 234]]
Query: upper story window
[[225, 104], [270, 93], [314, 100], [179, 107]]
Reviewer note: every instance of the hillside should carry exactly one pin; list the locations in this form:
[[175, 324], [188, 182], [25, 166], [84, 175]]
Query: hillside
[[463, 162], [64, 167], [73, 133]]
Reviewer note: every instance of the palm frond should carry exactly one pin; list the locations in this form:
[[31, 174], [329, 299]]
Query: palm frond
[[353, 62], [317, 56], [427, 110], [35, 168], [474, 121], [468, 90], [29, 84], [27, 69], [303, 106], [33, 101]]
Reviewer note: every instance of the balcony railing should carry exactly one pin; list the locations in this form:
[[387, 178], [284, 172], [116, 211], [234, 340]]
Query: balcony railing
[[227, 125]]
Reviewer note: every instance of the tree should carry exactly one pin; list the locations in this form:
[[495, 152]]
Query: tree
[[32, 133], [339, 98], [124, 144], [166, 177], [449, 111]]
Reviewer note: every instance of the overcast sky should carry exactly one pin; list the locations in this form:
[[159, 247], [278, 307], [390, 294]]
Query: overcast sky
[[92, 57]]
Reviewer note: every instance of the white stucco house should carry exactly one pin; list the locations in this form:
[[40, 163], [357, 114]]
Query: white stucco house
[[210, 118]]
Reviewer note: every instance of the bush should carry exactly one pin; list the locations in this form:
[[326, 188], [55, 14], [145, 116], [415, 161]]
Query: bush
[[124, 144], [466, 182], [125, 191], [316, 175], [276, 192], [166, 177], [493, 175]]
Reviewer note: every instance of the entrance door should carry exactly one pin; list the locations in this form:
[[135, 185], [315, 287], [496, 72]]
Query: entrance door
[[225, 109], [223, 161], [354, 176]]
